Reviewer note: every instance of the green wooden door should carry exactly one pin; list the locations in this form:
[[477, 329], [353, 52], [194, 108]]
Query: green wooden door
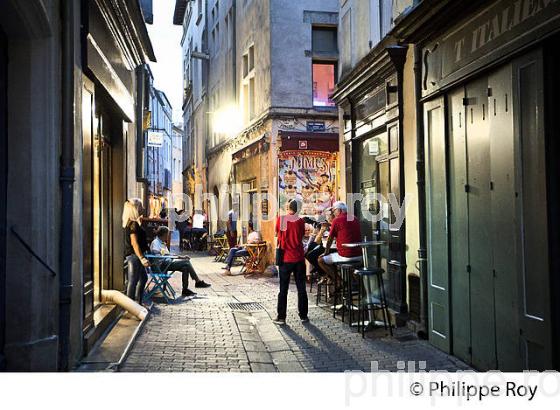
[[534, 276], [504, 223], [483, 337], [437, 233], [459, 226]]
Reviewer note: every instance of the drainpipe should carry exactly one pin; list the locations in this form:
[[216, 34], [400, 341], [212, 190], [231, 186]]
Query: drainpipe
[[234, 51], [421, 182], [66, 179]]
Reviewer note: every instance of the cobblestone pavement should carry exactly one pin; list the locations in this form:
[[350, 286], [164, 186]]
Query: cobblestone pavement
[[206, 334]]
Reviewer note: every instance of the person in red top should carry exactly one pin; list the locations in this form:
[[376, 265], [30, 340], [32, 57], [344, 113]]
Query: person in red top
[[290, 230], [344, 229]]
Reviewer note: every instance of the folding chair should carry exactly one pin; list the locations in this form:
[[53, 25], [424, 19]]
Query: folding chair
[[255, 258], [222, 247], [158, 278]]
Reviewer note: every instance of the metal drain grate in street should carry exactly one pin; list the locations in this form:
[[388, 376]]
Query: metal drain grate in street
[[247, 306], [406, 338]]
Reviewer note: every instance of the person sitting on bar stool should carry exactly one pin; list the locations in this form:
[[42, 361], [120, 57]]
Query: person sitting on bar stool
[[344, 229], [315, 246]]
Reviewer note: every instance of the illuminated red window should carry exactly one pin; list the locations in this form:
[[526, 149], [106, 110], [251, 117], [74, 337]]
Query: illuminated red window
[[323, 84]]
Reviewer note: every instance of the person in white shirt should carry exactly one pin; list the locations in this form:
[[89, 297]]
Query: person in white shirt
[[183, 265], [254, 237]]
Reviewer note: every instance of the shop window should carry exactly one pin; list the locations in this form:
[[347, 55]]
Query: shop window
[[323, 84]]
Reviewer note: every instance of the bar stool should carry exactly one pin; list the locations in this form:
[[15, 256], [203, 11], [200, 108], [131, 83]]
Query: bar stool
[[322, 289], [338, 293], [348, 290], [368, 302]]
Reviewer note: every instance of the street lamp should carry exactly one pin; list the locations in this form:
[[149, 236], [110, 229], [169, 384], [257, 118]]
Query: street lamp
[[228, 121]]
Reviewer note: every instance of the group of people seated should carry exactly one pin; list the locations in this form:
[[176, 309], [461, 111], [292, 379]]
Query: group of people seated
[[335, 225], [137, 251], [193, 232], [338, 229]]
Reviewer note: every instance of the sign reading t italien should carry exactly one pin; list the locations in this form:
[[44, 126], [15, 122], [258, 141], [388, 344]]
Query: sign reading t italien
[[501, 27], [155, 139]]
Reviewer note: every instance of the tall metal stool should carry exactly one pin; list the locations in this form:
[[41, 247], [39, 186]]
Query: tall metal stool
[[322, 289], [368, 302], [348, 288], [338, 292]]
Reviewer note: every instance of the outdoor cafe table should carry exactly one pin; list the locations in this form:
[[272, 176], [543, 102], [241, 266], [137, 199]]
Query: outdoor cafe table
[[364, 245], [159, 276]]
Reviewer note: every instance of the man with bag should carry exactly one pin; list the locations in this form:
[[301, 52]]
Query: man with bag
[[290, 230]]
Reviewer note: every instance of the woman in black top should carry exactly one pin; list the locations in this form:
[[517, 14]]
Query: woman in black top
[[135, 245]]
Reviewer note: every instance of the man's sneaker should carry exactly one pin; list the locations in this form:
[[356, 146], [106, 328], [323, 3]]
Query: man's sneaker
[[187, 292], [304, 320], [202, 284], [279, 321]]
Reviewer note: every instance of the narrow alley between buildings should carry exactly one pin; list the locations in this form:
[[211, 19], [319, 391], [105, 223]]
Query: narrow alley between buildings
[[228, 327]]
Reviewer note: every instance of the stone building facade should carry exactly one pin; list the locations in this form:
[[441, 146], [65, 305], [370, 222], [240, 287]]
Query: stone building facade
[[68, 125]]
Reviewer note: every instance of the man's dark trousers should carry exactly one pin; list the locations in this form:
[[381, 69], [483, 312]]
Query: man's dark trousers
[[298, 268]]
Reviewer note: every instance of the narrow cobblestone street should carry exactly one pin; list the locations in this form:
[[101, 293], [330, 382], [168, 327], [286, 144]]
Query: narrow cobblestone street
[[206, 334]]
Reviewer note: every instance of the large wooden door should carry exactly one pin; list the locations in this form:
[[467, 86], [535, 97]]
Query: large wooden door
[[533, 258], [498, 222], [3, 184], [482, 206], [459, 226], [437, 228], [504, 223], [483, 334]]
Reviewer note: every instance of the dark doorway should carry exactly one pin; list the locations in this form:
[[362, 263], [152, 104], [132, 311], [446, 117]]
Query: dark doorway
[[3, 185]]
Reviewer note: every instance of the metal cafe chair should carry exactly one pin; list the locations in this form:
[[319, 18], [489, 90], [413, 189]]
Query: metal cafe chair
[[222, 247], [158, 277]]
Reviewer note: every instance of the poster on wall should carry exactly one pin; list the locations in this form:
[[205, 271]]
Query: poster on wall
[[310, 176]]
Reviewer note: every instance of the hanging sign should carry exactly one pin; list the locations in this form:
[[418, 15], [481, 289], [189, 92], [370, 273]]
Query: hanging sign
[[155, 139]]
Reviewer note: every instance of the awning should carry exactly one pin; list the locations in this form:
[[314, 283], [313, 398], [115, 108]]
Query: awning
[[315, 141], [250, 150]]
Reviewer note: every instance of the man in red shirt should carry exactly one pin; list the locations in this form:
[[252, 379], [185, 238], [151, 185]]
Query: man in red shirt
[[344, 229], [290, 230]]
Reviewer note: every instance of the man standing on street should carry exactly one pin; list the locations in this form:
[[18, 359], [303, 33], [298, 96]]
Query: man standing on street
[[290, 230]]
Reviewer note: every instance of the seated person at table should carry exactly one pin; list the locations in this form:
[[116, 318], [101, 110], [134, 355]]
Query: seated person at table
[[159, 247], [199, 232], [315, 246], [254, 237], [344, 229]]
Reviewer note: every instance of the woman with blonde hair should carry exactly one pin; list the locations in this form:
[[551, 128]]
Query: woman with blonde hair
[[135, 245]]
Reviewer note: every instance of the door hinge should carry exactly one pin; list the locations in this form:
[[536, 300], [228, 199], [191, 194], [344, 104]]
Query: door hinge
[[467, 188], [491, 185], [469, 269]]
